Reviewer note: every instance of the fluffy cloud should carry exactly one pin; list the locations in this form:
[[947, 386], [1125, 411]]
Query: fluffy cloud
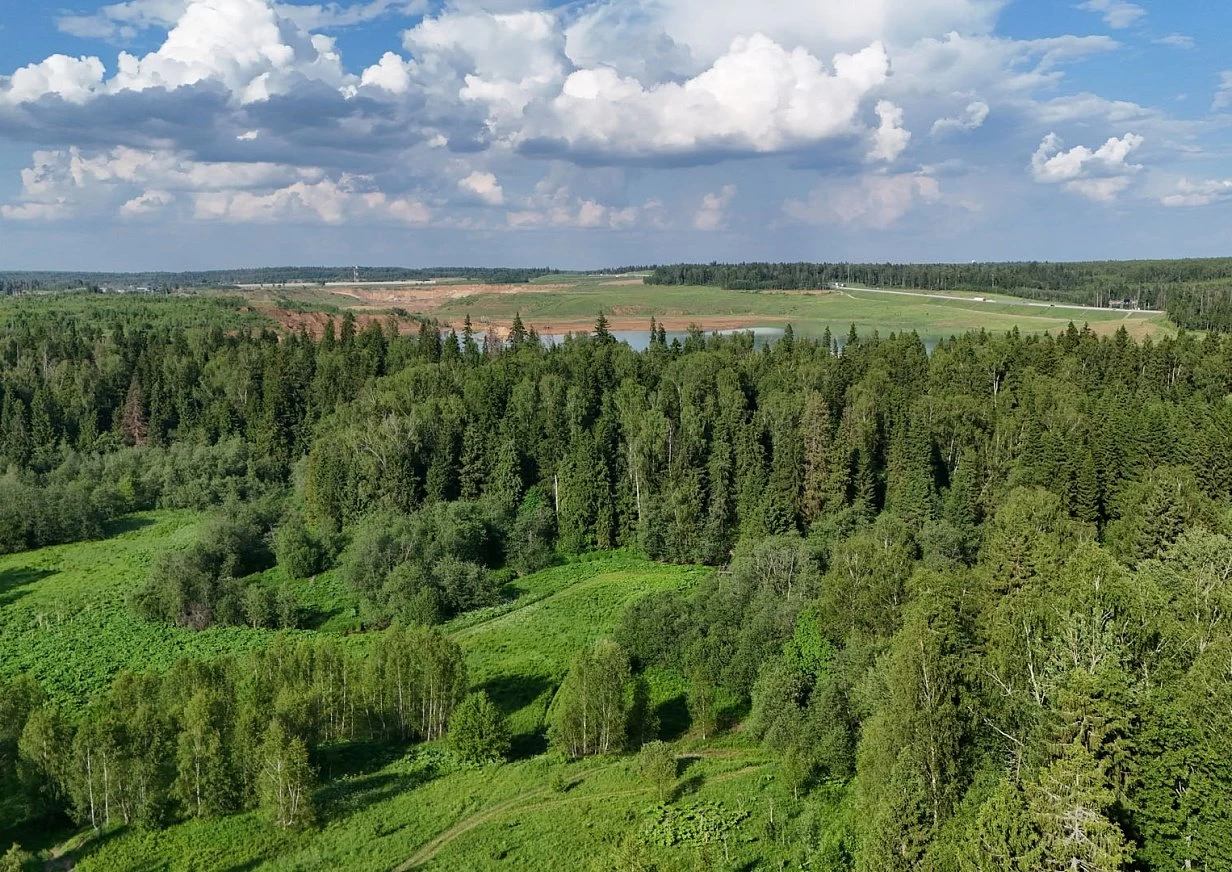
[[327, 201], [758, 97], [146, 203], [1199, 193], [1117, 13], [971, 118], [713, 212], [874, 202], [890, 139], [122, 22], [501, 62], [484, 186], [1099, 174], [72, 79], [144, 183], [244, 45]]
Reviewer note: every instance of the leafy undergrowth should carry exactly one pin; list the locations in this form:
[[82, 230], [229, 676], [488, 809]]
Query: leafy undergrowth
[[64, 617]]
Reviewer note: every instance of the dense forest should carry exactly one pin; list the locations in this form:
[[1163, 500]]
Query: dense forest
[[1196, 294], [983, 593]]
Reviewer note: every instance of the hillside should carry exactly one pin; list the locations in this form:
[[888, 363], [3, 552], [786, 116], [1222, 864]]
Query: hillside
[[386, 808]]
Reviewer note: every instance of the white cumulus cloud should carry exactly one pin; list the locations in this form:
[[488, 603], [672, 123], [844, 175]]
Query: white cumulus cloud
[[150, 201], [1099, 174], [971, 118], [484, 186], [759, 97], [73, 79], [1199, 193], [890, 139], [243, 44]]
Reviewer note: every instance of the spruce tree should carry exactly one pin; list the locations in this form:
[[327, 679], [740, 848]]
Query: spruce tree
[[1086, 502], [133, 426], [517, 332], [602, 333]]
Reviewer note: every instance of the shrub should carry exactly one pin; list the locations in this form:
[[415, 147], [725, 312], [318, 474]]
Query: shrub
[[297, 550], [478, 731], [657, 764]]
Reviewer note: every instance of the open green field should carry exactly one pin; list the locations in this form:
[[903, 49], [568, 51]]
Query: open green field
[[63, 617], [630, 306], [568, 303]]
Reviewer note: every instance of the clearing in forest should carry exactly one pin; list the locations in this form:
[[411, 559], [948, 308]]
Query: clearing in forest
[[380, 807], [562, 304]]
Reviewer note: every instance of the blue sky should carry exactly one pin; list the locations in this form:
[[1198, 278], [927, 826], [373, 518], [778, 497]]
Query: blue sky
[[176, 134]]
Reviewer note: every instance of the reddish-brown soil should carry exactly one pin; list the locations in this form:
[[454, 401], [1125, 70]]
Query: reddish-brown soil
[[314, 322], [424, 298]]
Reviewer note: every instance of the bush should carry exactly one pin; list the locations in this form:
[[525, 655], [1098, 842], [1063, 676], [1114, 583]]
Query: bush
[[15, 859], [423, 567], [297, 550], [657, 764], [478, 731], [198, 587]]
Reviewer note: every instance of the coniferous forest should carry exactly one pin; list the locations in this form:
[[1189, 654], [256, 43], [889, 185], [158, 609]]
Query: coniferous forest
[[982, 595]]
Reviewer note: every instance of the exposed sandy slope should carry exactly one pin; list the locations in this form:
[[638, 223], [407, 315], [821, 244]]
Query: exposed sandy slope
[[314, 322], [427, 297]]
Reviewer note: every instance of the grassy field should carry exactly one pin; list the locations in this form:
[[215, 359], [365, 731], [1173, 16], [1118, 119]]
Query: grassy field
[[564, 303], [63, 617], [809, 313]]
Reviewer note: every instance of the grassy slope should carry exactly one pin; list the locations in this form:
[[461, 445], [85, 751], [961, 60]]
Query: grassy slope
[[380, 809], [809, 313], [64, 619]]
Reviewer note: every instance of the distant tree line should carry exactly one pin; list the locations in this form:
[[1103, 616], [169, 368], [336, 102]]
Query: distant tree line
[[25, 282], [1197, 294]]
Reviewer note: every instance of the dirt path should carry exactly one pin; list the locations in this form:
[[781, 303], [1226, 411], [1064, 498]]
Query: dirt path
[[429, 851], [432, 848]]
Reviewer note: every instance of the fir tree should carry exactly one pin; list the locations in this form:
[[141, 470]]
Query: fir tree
[[602, 333], [133, 426], [517, 332]]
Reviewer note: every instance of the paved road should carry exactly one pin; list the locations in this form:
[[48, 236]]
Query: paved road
[[1003, 302]]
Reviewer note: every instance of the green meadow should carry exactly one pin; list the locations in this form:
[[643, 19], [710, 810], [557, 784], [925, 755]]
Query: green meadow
[[63, 618], [810, 313]]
